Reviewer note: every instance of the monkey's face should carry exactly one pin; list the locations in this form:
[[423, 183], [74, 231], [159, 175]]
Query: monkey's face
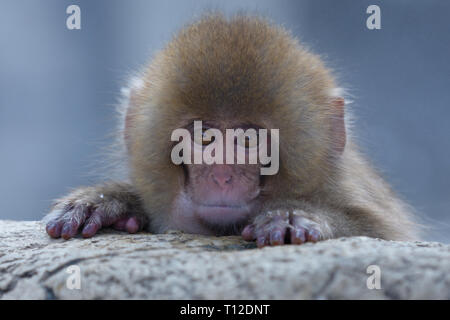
[[223, 192]]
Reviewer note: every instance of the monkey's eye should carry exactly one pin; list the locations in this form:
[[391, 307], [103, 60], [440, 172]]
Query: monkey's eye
[[203, 137], [248, 141]]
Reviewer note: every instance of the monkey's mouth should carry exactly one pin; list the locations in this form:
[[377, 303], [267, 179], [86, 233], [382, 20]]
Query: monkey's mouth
[[223, 214], [222, 206]]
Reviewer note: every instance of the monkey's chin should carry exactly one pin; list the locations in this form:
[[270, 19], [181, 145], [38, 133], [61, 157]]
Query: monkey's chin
[[222, 215]]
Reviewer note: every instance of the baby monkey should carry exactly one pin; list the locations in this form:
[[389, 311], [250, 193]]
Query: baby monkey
[[238, 73]]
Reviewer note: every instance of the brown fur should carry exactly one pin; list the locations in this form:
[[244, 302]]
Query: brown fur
[[245, 68]]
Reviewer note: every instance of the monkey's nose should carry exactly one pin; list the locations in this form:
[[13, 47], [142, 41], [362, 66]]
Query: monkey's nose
[[221, 175], [221, 179]]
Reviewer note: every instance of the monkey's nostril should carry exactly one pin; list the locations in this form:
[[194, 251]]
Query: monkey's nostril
[[222, 180]]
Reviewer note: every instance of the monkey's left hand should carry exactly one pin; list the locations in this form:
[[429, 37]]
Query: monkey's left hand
[[282, 227]]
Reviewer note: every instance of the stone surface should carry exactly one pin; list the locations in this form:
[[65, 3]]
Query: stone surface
[[116, 265]]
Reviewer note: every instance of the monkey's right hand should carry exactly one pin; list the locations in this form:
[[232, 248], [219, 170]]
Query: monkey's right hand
[[89, 209]]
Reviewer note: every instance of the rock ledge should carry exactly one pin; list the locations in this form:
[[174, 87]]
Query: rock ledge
[[115, 265]]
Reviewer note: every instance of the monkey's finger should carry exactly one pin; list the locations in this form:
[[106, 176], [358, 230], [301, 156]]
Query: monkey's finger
[[54, 227], [92, 225], [313, 235], [69, 230], [277, 236], [262, 241], [133, 225], [298, 235], [73, 221], [248, 233]]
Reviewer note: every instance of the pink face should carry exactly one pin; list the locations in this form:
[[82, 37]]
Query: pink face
[[219, 195]]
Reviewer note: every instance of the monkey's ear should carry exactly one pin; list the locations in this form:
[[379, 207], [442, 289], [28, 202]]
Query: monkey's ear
[[338, 132], [129, 107]]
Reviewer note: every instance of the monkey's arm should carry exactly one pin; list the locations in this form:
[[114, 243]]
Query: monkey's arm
[[88, 209]]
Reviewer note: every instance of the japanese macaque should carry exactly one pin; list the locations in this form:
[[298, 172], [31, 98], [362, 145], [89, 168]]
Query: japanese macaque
[[230, 73]]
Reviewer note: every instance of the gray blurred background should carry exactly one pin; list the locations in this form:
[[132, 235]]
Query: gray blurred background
[[58, 87]]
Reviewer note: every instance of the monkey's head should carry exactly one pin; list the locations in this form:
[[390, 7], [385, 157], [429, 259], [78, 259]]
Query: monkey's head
[[232, 73]]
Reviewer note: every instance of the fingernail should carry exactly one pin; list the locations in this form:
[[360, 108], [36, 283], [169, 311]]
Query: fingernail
[[260, 242], [50, 226], [132, 225], [66, 232], [314, 236], [88, 230], [300, 235], [276, 236], [247, 233]]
